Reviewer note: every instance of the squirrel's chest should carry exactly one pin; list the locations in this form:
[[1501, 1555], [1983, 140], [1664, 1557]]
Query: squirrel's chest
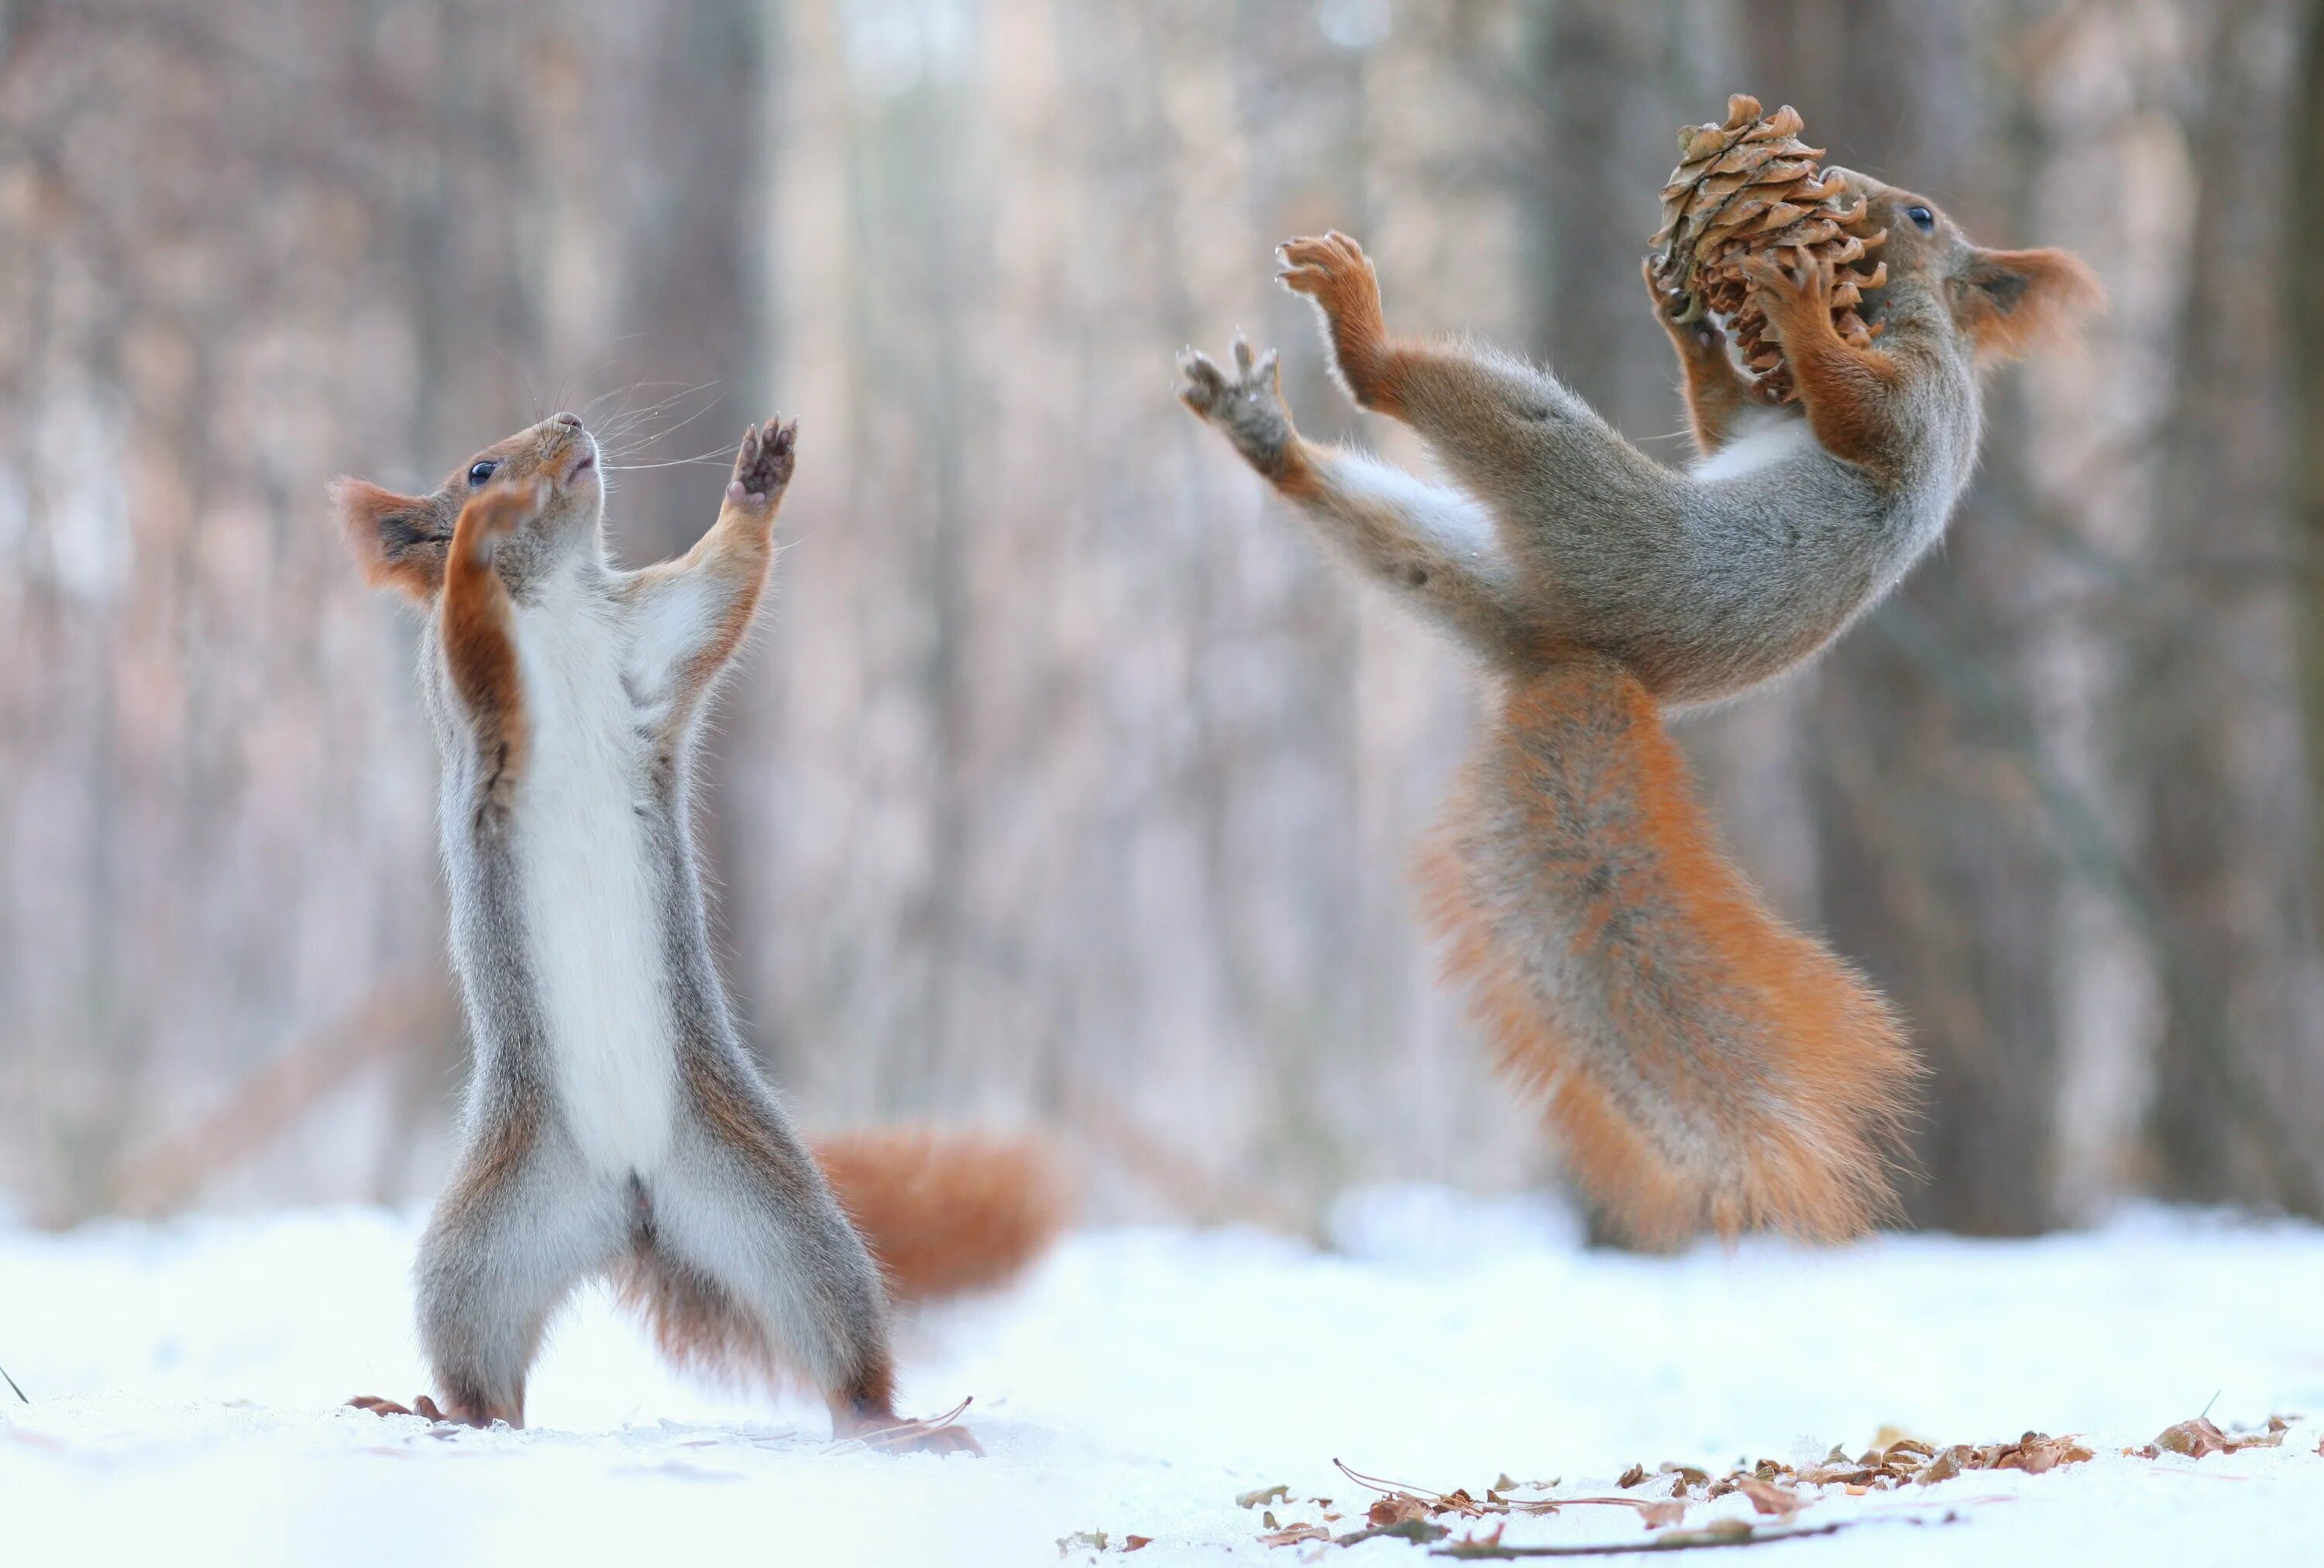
[[594, 893]]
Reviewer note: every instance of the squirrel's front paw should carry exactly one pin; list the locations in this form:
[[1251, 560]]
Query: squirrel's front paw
[[763, 463], [497, 510], [1248, 405], [1333, 271], [1804, 287]]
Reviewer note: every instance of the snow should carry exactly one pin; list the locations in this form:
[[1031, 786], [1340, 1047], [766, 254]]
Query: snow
[[186, 1378]]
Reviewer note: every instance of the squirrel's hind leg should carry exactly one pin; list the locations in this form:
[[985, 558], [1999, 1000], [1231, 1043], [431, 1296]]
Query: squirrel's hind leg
[[758, 1263], [522, 1222]]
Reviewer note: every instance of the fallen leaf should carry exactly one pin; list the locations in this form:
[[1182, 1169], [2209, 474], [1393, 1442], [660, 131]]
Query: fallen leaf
[[1268, 1519], [1419, 1530], [1632, 1477], [2195, 1439], [1767, 1497], [1135, 1542], [1293, 1535], [1081, 1540], [1667, 1511], [1266, 1494], [1395, 1508]]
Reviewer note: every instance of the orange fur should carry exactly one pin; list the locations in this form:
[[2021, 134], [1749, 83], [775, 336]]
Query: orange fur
[[944, 1213], [2012, 302], [1848, 392], [1709, 1065], [397, 541], [1716, 392], [1333, 272], [479, 631]]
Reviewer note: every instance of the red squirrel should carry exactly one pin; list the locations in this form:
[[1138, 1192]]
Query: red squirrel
[[1704, 1062], [615, 1125]]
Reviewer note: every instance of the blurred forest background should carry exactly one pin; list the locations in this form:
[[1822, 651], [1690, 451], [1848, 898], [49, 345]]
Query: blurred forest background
[[1067, 785]]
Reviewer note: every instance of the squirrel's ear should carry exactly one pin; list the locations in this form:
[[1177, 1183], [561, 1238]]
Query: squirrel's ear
[[398, 541], [2011, 302]]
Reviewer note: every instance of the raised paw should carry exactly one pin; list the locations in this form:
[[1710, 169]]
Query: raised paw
[[1333, 272], [1247, 404], [1682, 314], [763, 463], [1805, 285], [1331, 269], [497, 510]]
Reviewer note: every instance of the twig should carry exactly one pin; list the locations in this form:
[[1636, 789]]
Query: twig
[[1738, 1535], [19, 1393]]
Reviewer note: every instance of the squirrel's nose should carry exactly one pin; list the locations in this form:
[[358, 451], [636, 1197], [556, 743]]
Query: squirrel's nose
[[573, 420]]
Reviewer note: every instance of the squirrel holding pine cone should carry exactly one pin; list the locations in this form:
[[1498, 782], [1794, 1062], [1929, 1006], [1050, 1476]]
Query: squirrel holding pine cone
[[1704, 1062]]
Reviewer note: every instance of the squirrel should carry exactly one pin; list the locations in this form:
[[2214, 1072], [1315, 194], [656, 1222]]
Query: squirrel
[[1703, 1062], [615, 1125]]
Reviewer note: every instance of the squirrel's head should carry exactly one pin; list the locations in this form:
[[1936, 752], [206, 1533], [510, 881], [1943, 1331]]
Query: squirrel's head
[[2004, 303], [399, 540]]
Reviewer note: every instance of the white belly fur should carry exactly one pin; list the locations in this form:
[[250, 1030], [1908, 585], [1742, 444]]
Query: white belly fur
[[591, 925]]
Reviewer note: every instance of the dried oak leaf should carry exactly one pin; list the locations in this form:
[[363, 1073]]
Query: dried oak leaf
[[1266, 1494], [1395, 1508]]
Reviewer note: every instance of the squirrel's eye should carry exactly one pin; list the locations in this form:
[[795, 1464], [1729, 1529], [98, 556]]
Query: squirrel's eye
[[480, 472], [1922, 218]]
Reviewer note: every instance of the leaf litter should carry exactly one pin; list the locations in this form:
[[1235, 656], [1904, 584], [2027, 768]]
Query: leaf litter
[[1777, 1492]]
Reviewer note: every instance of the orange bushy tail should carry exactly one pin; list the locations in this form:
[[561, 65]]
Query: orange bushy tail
[[945, 1213], [1703, 1062]]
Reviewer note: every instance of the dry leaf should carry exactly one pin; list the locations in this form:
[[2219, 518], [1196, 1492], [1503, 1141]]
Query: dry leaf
[[1632, 1477], [1395, 1508], [1767, 1497], [1295, 1534], [2201, 1436], [1666, 1511], [1082, 1541], [1135, 1542]]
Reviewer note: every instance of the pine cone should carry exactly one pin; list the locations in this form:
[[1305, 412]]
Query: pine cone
[[1745, 187]]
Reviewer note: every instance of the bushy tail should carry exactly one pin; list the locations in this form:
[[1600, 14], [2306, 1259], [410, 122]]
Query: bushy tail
[[1703, 1062], [945, 1213]]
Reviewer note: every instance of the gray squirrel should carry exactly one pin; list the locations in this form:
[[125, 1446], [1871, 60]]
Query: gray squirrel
[[615, 1125], [1703, 1062]]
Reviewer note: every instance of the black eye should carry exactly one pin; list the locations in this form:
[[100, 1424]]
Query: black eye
[[1922, 218], [480, 472]]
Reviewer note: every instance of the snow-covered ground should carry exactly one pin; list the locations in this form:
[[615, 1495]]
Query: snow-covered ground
[[185, 1381]]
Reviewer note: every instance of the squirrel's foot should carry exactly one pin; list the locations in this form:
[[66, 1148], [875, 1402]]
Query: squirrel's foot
[[763, 464], [1333, 272], [422, 1405], [941, 1435], [1248, 404]]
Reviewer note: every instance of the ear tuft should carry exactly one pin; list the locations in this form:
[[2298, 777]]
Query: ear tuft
[[2012, 302], [394, 538]]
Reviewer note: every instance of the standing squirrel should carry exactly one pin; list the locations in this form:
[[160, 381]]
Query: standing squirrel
[[616, 1124], [1704, 1062]]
